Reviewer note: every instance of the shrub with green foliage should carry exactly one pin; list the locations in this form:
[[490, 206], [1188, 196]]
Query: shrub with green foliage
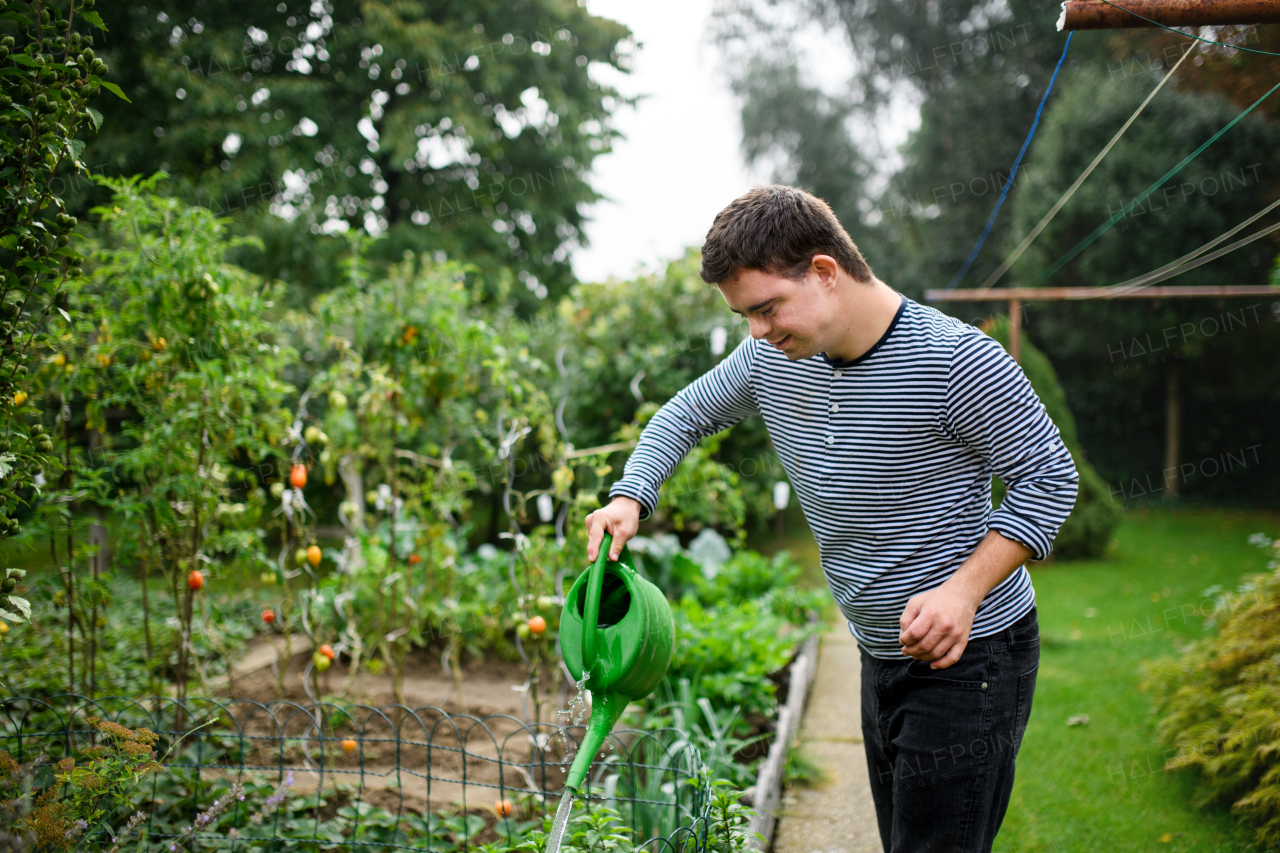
[[1220, 702], [48, 75], [1087, 531]]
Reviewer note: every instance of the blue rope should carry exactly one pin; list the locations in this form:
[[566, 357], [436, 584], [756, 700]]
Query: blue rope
[[973, 255]]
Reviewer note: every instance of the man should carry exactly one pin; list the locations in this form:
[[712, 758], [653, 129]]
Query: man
[[890, 419]]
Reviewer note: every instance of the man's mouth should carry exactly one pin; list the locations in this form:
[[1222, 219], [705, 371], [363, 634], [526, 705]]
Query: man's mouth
[[779, 344]]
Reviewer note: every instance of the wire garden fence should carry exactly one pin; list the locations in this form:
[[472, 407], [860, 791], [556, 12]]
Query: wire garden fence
[[356, 777]]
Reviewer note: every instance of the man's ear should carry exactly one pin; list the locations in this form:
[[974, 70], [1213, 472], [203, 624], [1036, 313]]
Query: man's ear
[[826, 269]]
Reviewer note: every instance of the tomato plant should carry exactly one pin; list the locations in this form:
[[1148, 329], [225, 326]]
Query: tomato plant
[[181, 394]]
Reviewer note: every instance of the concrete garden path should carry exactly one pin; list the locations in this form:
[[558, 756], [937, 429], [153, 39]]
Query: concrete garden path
[[836, 815]]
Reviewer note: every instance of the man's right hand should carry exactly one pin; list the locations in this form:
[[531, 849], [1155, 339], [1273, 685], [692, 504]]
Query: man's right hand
[[620, 519]]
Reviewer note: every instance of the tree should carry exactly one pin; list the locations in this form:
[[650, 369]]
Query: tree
[[462, 128]]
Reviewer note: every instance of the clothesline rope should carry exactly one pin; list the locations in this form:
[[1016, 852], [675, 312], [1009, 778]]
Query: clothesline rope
[[1182, 264], [1124, 211], [973, 253], [1053, 211]]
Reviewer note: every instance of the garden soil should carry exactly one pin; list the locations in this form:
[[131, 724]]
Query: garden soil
[[486, 724]]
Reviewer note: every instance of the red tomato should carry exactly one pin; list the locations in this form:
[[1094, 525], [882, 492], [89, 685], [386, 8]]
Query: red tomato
[[327, 651], [349, 745], [504, 808], [298, 476], [537, 625], [195, 580], [313, 555], [414, 559], [268, 616]]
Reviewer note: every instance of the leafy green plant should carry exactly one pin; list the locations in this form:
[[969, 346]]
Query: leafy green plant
[[729, 821], [1220, 702], [179, 342], [409, 423], [48, 76], [83, 801]]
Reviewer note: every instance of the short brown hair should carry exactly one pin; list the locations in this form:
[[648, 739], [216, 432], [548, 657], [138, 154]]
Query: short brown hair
[[777, 229]]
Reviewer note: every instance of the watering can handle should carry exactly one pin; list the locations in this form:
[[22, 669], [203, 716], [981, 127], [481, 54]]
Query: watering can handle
[[591, 616]]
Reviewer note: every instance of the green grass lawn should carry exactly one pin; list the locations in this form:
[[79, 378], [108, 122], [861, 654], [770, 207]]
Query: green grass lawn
[[1100, 786]]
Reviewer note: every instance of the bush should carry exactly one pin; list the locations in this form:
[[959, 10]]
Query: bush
[[1220, 702], [1087, 531]]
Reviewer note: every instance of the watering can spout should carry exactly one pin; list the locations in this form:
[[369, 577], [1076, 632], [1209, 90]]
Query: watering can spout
[[605, 711]]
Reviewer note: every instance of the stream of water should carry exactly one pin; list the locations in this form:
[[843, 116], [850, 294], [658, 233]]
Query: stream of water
[[561, 821], [575, 712]]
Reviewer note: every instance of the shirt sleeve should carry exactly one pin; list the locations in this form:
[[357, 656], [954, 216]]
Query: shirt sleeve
[[992, 408], [712, 403]]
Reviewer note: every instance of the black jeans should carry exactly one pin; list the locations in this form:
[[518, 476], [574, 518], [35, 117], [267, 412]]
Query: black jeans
[[941, 743]]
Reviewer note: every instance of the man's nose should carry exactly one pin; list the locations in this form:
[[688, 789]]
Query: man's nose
[[758, 327]]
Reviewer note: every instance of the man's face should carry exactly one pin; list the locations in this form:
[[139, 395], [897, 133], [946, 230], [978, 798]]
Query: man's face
[[790, 314]]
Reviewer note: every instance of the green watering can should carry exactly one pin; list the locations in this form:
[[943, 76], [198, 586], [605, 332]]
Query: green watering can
[[618, 627]]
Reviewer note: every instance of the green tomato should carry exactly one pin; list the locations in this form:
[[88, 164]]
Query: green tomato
[[337, 400], [321, 662], [313, 435], [300, 556]]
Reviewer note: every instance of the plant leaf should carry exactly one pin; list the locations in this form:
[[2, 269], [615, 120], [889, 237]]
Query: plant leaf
[[5, 459], [21, 605], [115, 90], [96, 117], [93, 18]]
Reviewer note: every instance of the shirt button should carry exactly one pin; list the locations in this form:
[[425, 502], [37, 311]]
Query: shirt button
[[984, 685], [831, 439], [838, 374], [835, 407]]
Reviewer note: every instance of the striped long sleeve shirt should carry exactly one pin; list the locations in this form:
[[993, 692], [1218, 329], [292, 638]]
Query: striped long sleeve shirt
[[891, 455]]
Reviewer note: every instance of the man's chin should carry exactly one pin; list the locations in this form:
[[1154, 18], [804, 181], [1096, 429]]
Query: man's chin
[[798, 352]]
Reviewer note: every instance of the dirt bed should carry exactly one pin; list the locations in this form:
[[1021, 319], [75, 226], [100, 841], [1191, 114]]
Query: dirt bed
[[439, 750]]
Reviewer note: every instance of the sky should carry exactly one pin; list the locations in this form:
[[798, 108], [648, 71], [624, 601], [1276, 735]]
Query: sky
[[680, 161]]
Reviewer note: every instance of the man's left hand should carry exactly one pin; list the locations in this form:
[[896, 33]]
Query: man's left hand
[[936, 624]]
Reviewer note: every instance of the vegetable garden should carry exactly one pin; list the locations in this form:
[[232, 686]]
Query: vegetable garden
[[284, 565], [255, 519], [200, 445]]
